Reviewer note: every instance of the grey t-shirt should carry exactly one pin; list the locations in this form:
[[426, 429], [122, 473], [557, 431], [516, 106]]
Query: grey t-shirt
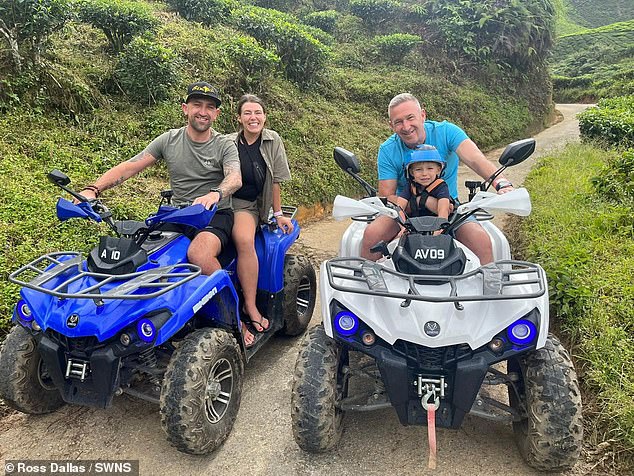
[[194, 167]]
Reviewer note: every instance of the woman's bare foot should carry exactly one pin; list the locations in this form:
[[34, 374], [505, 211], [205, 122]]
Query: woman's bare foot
[[247, 336], [257, 320]]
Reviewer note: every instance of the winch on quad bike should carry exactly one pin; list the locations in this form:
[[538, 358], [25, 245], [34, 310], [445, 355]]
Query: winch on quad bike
[[136, 317], [431, 332]]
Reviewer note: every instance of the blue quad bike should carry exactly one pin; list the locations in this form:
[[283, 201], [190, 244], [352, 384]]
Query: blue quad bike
[[136, 317]]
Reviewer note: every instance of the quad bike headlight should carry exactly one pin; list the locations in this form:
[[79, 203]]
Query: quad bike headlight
[[346, 323], [146, 330], [24, 311], [522, 332]]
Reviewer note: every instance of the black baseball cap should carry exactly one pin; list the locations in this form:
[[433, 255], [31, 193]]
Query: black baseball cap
[[204, 90]]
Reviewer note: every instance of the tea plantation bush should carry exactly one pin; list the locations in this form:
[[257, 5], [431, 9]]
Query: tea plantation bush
[[252, 65], [303, 56], [207, 12], [26, 26], [375, 13], [593, 64], [146, 71], [611, 122], [120, 20], [324, 20], [393, 48]]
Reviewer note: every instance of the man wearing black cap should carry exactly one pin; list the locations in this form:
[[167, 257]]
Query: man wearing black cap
[[203, 168]]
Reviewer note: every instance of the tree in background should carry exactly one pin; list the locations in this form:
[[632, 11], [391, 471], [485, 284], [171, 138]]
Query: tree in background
[[26, 26]]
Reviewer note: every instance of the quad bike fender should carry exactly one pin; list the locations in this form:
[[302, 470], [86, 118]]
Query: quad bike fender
[[475, 325], [212, 298], [111, 317], [499, 243], [271, 247], [352, 238]]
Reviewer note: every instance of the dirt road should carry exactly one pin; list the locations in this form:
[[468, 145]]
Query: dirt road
[[261, 442]]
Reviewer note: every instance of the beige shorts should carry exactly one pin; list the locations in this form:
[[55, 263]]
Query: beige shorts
[[240, 205]]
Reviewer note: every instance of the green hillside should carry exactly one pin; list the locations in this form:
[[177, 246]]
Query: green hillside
[[595, 13], [594, 63], [564, 24]]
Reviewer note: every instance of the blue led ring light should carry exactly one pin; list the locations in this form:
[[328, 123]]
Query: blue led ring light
[[346, 323]]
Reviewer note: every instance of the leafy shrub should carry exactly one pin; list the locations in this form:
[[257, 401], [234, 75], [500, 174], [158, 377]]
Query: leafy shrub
[[611, 122], [198, 46], [349, 29], [375, 13], [302, 54], [281, 5], [253, 65], [26, 25], [616, 180], [207, 12], [120, 20], [517, 35], [324, 20], [393, 48], [67, 78], [146, 70]]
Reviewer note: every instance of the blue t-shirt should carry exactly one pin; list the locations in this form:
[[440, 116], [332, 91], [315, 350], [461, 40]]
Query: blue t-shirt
[[445, 136]]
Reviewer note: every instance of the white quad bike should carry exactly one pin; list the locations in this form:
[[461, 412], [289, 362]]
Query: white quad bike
[[432, 332]]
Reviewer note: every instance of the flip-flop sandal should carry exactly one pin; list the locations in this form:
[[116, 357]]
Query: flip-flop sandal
[[253, 324]]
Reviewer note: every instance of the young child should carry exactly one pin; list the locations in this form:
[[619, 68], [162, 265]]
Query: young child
[[423, 170]]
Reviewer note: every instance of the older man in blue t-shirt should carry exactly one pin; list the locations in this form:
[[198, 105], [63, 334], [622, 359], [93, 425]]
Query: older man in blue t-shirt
[[408, 121]]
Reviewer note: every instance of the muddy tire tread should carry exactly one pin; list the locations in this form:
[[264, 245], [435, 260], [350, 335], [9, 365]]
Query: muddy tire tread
[[295, 268], [551, 437], [317, 425], [19, 384], [182, 402]]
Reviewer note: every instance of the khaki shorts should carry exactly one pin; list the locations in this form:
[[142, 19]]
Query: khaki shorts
[[240, 205]]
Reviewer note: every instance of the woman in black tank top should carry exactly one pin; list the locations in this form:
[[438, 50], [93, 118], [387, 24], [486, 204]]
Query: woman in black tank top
[[258, 178]]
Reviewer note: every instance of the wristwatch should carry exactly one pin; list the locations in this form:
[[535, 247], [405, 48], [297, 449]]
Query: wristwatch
[[218, 191], [502, 184]]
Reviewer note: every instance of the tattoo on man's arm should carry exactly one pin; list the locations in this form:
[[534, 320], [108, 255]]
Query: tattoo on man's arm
[[137, 157], [232, 180]]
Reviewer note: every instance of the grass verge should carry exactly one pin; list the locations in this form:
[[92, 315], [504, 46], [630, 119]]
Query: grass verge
[[585, 242]]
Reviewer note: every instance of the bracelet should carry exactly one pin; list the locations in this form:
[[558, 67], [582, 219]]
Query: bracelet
[[278, 214], [94, 188], [502, 184], [218, 191]]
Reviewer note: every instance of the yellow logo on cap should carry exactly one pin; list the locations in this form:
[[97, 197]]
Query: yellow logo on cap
[[205, 89]]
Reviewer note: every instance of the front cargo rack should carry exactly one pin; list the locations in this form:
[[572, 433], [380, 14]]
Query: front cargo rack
[[358, 275], [51, 275]]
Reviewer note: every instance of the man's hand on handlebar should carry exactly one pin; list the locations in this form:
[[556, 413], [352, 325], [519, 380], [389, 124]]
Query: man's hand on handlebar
[[208, 200], [503, 185], [88, 193]]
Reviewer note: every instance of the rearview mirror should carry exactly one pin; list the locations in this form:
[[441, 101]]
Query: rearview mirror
[[346, 160], [517, 152], [58, 178]]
